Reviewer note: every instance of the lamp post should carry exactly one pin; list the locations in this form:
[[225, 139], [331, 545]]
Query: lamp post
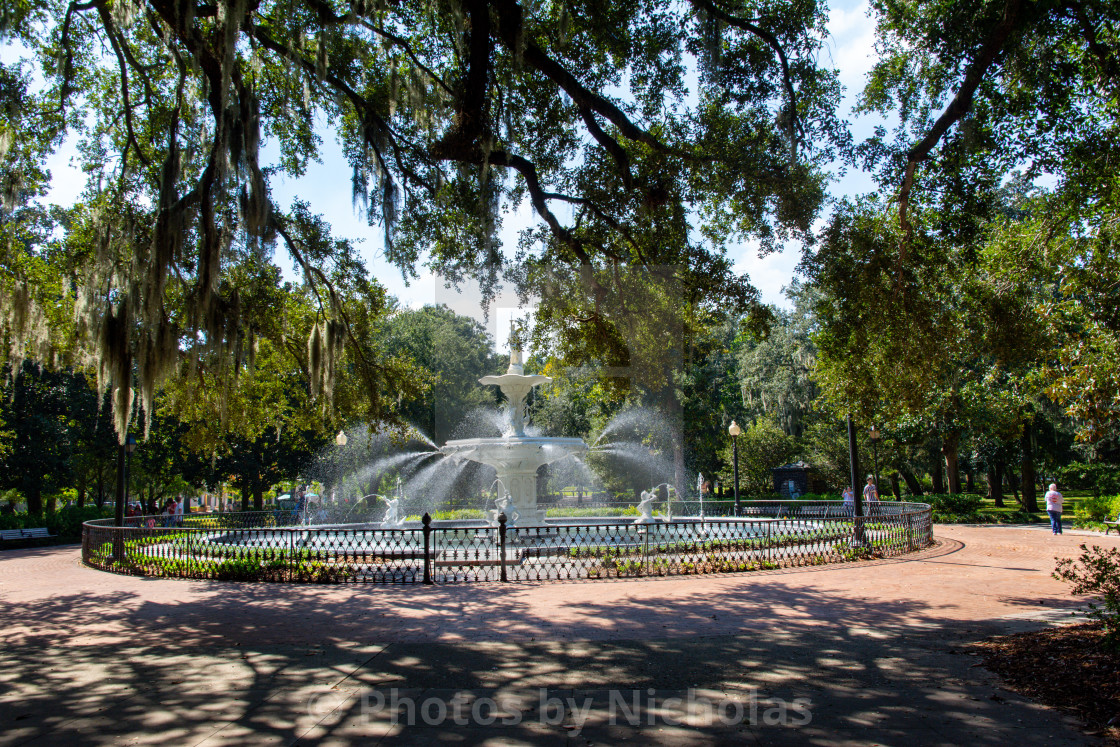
[[735, 430], [875, 436]]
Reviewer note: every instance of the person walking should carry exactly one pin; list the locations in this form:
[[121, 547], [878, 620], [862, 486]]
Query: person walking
[[849, 497], [871, 496], [1054, 508], [301, 505]]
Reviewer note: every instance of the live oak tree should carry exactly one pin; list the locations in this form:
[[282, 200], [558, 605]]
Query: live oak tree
[[604, 117], [947, 346], [983, 87]]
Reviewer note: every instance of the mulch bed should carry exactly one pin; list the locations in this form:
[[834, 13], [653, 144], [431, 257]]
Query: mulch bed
[[1065, 667]]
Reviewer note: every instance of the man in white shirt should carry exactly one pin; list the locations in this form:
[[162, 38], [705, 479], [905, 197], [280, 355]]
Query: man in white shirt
[[1054, 508]]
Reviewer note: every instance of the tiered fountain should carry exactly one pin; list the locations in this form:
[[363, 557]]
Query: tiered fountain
[[515, 456]]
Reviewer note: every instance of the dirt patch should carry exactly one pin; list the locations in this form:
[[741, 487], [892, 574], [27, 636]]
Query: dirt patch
[[1065, 667]]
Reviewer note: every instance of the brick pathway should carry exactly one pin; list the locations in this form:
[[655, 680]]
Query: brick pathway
[[878, 649]]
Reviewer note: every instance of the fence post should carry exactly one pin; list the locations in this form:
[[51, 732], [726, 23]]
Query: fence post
[[118, 546], [769, 540], [427, 548], [502, 545], [291, 555]]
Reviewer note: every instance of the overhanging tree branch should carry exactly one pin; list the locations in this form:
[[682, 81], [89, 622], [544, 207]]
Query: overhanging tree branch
[[991, 48]]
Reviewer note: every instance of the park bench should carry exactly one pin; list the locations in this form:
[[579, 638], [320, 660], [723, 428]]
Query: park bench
[[1108, 525], [9, 535]]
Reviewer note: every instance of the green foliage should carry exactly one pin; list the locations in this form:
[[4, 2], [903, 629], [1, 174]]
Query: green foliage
[[1100, 478], [452, 352], [776, 371], [1098, 508], [66, 523], [961, 503], [1096, 572], [762, 446]]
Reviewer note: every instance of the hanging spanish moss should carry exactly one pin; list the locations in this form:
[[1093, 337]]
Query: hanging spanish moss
[[448, 113], [325, 348]]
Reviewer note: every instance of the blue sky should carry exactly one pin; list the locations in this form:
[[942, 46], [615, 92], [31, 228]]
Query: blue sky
[[326, 186]]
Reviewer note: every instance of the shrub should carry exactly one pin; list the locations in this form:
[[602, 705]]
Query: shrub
[[1097, 572], [959, 503], [976, 517], [1098, 508], [66, 522]]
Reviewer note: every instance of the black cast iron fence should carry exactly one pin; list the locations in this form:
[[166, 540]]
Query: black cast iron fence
[[265, 546]]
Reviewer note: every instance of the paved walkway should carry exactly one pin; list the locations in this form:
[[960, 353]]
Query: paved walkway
[[873, 653]]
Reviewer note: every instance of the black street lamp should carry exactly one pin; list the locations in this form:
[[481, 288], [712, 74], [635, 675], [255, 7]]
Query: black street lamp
[[875, 436], [857, 494], [735, 430]]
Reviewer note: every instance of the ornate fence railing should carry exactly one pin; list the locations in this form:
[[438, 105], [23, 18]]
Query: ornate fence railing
[[266, 546]]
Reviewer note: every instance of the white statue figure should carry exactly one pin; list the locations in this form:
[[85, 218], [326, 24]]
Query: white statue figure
[[645, 506], [505, 506], [393, 515]]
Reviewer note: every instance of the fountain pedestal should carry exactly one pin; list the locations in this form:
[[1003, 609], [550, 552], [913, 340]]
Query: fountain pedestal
[[517, 457], [516, 460]]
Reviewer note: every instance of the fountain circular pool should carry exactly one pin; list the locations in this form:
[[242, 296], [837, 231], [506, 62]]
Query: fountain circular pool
[[259, 546]]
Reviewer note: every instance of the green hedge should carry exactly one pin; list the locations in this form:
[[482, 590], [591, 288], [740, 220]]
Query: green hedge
[[1015, 517], [66, 522], [954, 503], [1098, 508]]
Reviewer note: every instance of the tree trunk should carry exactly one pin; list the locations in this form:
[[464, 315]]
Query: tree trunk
[[258, 497], [1013, 483], [82, 478], [995, 483], [52, 503], [896, 487], [680, 481], [34, 500], [950, 450], [969, 481], [100, 498], [244, 497], [1026, 443], [912, 483], [937, 476]]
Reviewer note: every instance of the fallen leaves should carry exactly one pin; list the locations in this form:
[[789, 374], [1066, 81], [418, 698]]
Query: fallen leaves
[[1065, 667]]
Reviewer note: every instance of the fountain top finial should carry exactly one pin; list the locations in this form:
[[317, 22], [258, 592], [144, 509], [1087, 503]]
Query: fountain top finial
[[515, 364]]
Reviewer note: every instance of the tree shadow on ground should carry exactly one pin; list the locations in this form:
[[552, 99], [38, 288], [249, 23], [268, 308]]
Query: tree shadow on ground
[[256, 663]]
